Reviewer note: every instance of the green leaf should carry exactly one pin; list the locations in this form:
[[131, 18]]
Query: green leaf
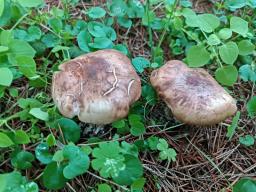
[[3, 49], [137, 128], [122, 48], [22, 160], [140, 63], [78, 161], [5, 141], [232, 128], [229, 52], [21, 137], [247, 140], [104, 188], [1, 7], [239, 25], [208, 22], [55, 24], [226, 75], [69, 128], [225, 33], [132, 171], [96, 12], [124, 22], [39, 114], [101, 43], [21, 48], [213, 40], [42, 153], [247, 73], [6, 76], [117, 8], [108, 160], [245, 47], [245, 185], [83, 38], [26, 65], [165, 151], [18, 183], [198, 56], [119, 124], [138, 184], [153, 142], [53, 177], [29, 3], [251, 107], [50, 140]]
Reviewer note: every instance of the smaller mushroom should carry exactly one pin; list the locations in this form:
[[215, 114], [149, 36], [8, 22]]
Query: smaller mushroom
[[193, 95], [97, 87]]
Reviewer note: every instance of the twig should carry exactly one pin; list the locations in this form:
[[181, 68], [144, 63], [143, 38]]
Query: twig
[[114, 84]]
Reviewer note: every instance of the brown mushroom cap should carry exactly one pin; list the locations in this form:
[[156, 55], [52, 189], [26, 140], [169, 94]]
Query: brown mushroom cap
[[193, 96], [98, 87]]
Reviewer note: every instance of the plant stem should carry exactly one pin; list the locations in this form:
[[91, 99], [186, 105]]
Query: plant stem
[[19, 21], [149, 28]]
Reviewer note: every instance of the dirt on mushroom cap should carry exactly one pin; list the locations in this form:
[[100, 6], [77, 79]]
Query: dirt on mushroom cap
[[193, 96], [98, 87]]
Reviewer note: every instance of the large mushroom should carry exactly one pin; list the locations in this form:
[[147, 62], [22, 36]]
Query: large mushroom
[[97, 87], [193, 96]]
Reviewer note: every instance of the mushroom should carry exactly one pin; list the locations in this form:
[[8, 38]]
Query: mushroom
[[97, 87], [193, 95]]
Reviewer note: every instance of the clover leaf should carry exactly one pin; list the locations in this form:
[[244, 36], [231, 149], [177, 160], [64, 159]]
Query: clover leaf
[[78, 161], [108, 159], [165, 151], [43, 154]]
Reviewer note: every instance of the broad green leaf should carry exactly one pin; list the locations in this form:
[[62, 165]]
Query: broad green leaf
[[208, 22], [5, 141], [133, 170], [15, 182], [135, 9], [5, 37], [119, 124], [239, 25], [137, 128], [191, 17], [50, 140], [21, 137], [22, 160], [96, 12], [162, 145], [117, 7], [53, 177], [97, 29], [245, 47], [39, 114], [101, 43], [78, 161], [251, 107], [198, 56], [3, 49], [226, 75], [225, 33], [104, 188], [247, 73], [124, 22], [122, 48], [245, 185], [108, 159], [247, 140], [6, 76], [232, 128], [26, 65], [55, 24], [42, 153], [213, 40], [138, 184], [140, 63], [1, 7], [229, 52], [83, 38], [70, 129], [21, 48], [30, 3]]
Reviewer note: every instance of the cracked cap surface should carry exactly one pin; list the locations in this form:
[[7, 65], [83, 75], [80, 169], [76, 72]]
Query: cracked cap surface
[[193, 95], [97, 87]]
